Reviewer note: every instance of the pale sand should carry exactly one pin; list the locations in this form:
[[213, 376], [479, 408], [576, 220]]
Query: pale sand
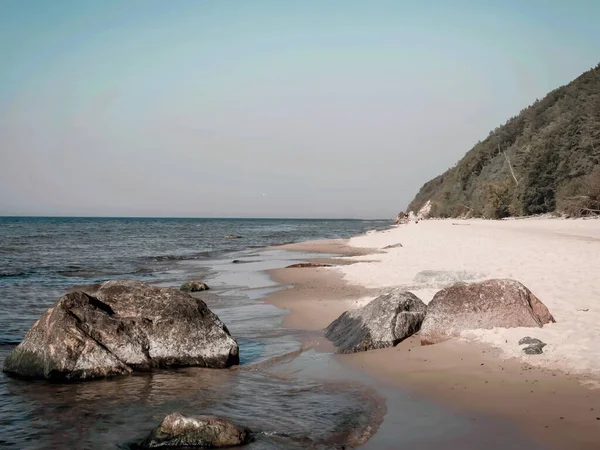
[[330, 246], [318, 297], [559, 260], [551, 405]]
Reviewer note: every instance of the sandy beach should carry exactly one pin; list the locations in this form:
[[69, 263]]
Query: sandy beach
[[553, 396]]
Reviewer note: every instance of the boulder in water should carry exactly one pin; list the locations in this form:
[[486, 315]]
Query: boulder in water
[[178, 431], [194, 286], [487, 304], [384, 322], [124, 326], [232, 236]]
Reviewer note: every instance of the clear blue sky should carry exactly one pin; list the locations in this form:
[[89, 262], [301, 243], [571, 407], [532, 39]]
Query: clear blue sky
[[264, 108]]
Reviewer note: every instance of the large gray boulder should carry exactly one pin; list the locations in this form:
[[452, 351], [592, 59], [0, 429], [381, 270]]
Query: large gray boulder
[[177, 431], [487, 304], [118, 328], [384, 322]]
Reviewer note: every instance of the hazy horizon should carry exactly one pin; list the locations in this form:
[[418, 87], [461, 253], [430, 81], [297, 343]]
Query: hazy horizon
[[266, 109]]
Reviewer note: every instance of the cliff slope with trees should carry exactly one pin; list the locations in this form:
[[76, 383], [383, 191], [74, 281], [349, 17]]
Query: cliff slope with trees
[[546, 159]]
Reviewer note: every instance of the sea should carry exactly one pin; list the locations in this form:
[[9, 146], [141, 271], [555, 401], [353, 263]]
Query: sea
[[290, 396]]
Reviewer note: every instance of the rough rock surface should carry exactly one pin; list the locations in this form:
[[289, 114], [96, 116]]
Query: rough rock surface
[[304, 265], [194, 286], [124, 326], [488, 304], [178, 431], [384, 322]]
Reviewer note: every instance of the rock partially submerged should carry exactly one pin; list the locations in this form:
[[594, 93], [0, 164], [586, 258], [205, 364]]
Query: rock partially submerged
[[194, 286], [384, 322], [124, 326], [178, 431], [488, 304], [232, 236]]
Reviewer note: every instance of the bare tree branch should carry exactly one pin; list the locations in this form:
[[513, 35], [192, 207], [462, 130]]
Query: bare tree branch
[[509, 166]]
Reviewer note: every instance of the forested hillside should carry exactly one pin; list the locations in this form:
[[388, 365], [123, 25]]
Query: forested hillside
[[545, 159]]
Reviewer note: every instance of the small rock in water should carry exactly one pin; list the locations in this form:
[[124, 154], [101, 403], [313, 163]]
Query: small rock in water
[[232, 236], [194, 286], [530, 340], [534, 349], [178, 431]]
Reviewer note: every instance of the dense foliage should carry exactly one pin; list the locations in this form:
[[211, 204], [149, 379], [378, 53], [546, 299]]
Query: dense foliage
[[543, 160]]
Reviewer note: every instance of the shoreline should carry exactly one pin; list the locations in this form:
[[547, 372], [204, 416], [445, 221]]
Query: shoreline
[[550, 405]]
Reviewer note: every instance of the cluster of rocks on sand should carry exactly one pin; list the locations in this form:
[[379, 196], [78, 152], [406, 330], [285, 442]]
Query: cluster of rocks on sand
[[397, 315]]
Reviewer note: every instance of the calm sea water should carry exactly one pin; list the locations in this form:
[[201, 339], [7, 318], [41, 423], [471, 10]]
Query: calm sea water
[[40, 258], [292, 398]]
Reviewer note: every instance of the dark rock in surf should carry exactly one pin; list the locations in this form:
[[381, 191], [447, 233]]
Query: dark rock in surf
[[178, 431], [194, 286], [384, 322], [124, 326], [488, 304], [232, 236]]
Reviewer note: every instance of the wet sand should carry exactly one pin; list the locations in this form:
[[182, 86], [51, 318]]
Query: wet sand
[[550, 406]]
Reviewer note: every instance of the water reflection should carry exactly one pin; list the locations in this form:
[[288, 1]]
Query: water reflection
[[286, 412]]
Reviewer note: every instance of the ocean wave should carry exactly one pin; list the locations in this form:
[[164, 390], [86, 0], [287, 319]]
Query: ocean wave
[[11, 250], [8, 341], [189, 256], [87, 273], [143, 271], [15, 274], [163, 258]]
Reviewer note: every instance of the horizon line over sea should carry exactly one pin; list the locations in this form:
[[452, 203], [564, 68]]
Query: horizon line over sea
[[28, 216]]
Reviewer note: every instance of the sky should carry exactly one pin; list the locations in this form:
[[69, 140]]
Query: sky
[[337, 109]]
